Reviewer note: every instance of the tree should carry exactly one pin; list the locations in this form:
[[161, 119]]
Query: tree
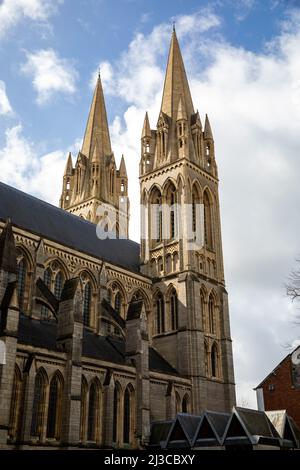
[[293, 286]]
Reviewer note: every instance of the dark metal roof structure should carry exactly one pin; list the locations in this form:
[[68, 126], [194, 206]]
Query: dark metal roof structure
[[243, 428], [48, 221], [219, 421], [183, 430], [43, 335], [250, 427], [285, 426], [159, 433], [211, 429]]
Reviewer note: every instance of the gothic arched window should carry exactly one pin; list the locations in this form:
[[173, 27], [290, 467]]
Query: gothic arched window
[[15, 408], [211, 315], [116, 410], [47, 277], [173, 211], [127, 417], [118, 302], [22, 273], [185, 404], [214, 361], [53, 423], [208, 230], [87, 304], [160, 314], [195, 211], [158, 212], [155, 202], [58, 285], [206, 359], [202, 304], [38, 409], [93, 412], [83, 409], [174, 310]]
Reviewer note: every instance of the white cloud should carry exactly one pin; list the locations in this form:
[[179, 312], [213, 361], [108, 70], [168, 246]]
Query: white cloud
[[14, 11], [23, 167], [253, 103], [5, 107], [50, 74]]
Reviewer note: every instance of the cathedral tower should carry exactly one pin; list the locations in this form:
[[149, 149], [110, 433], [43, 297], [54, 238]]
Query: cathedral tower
[[181, 246], [95, 189]]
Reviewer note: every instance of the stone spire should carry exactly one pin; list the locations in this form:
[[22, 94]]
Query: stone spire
[[176, 84], [69, 166], [97, 126], [207, 129], [122, 167], [146, 127]]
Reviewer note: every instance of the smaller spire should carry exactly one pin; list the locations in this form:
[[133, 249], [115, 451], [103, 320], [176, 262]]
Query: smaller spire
[[146, 127], [69, 165], [174, 24], [122, 167], [8, 256], [207, 129], [181, 111]]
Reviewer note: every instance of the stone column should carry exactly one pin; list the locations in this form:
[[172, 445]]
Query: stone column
[[69, 339], [137, 351], [8, 325], [170, 401], [108, 417], [29, 374], [38, 273]]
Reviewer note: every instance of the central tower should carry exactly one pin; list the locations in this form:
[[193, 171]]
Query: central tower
[[178, 174], [95, 189]]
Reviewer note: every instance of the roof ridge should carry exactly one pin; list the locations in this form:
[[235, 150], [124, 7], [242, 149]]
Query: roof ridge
[[58, 209]]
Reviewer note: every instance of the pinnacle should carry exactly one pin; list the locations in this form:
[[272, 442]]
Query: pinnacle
[[146, 127]]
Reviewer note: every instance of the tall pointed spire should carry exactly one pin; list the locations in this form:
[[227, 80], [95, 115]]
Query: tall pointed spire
[[207, 129], [146, 127], [97, 126], [176, 83]]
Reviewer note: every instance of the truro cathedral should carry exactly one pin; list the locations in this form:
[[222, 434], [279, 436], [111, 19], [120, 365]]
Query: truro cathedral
[[99, 337]]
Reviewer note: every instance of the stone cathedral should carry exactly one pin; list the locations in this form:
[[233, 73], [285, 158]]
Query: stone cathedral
[[101, 336]]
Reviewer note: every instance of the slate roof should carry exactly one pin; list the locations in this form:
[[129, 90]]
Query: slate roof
[[43, 335], [245, 428], [189, 423], [48, 221], [219, 421], [252, 427]]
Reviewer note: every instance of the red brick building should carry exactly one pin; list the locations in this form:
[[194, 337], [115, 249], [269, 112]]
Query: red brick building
[[280, 390]]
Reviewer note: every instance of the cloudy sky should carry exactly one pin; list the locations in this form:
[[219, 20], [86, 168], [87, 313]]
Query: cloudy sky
[[243, 63]]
